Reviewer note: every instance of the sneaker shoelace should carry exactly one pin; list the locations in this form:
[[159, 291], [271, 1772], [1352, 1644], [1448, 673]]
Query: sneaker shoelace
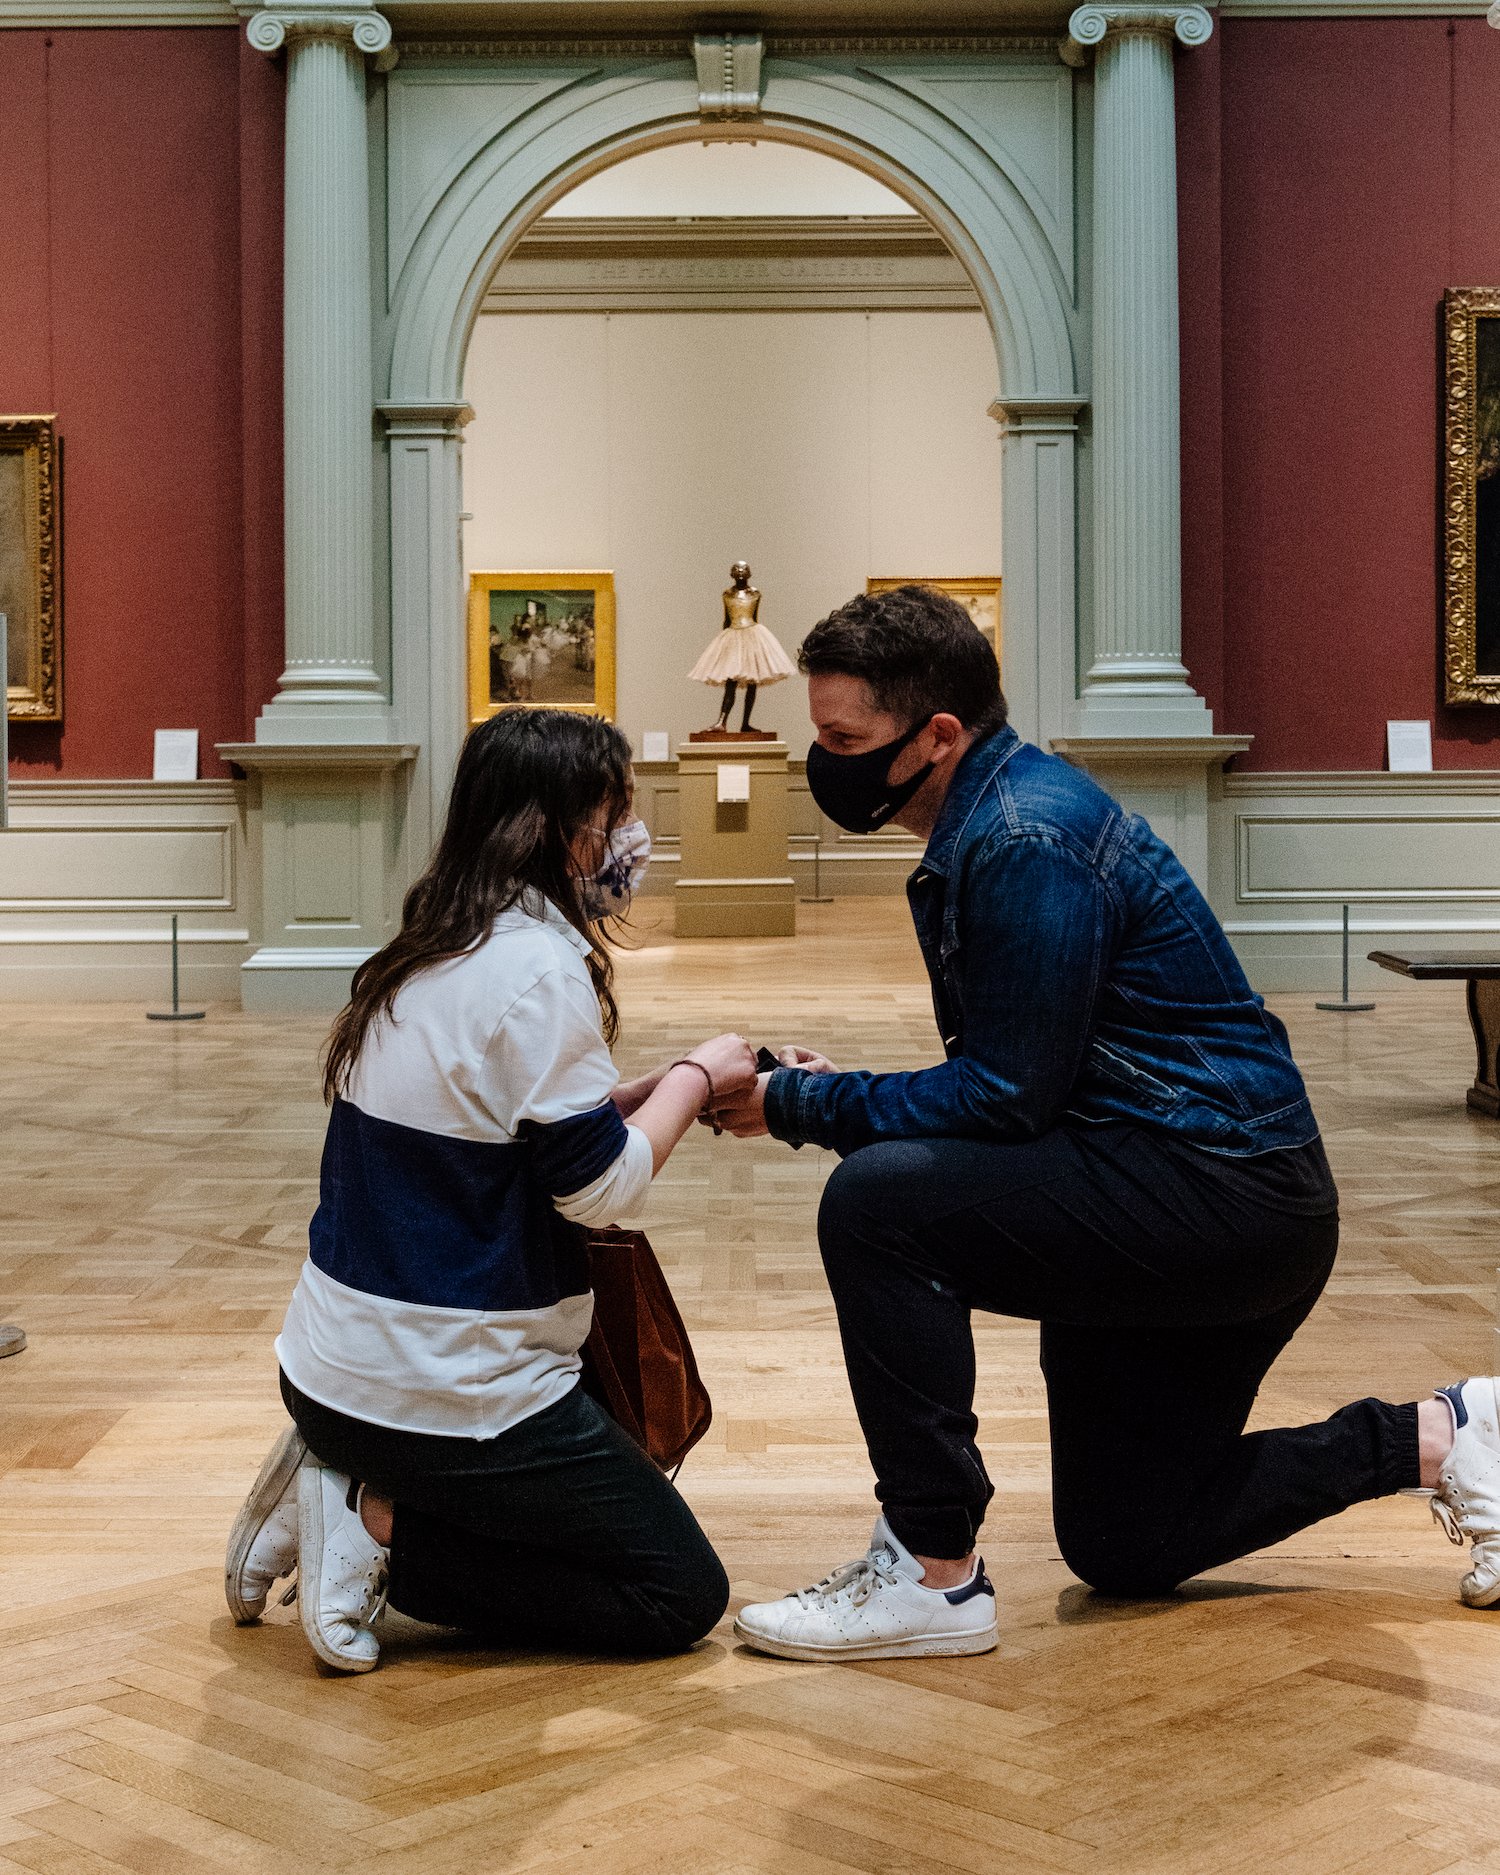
[[858, 1580], [1444, 1517], [381, 1585], [377, 1581]]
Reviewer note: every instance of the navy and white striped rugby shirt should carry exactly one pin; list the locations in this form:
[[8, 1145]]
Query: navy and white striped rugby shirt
[[438, 1295]]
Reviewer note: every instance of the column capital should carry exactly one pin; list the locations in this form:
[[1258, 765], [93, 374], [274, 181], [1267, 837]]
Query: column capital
[[1091, 25], [270, 27], [442, 418], [1038, 416]]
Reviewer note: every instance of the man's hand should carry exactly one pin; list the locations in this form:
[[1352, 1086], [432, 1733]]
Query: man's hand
[[743, 1114], [806, 1059]]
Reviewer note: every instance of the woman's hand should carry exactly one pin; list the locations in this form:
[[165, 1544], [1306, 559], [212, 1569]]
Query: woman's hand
[[730, 1060], [682, 1094]]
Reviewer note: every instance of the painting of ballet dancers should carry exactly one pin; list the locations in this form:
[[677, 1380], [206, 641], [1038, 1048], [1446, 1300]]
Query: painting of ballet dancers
[[979, 597], [541, 639]]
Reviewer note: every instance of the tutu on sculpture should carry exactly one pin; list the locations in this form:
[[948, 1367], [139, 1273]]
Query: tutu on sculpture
[[743, 652]]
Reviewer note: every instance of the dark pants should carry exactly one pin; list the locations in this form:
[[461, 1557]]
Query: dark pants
[[1165, 1286], [559, 1533]]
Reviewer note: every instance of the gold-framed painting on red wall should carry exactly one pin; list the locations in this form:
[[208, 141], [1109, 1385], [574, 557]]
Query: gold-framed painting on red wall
[[29, 585], [1471, 495]]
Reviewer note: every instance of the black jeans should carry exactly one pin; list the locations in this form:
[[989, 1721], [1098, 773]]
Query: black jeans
[[1166, 1285], [559, 1533]]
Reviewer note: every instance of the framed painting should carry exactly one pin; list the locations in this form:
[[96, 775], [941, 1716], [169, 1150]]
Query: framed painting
[[979, 597], [541, 638], [1471, 495], [29, 569]]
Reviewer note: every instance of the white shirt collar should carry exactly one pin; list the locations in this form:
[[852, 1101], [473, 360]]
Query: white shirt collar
[[534, 908]]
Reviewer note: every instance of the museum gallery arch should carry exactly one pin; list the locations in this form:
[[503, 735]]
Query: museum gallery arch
[[545, 125], [405, 195]]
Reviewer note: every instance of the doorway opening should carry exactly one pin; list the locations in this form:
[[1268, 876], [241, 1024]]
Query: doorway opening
[[713, 352]]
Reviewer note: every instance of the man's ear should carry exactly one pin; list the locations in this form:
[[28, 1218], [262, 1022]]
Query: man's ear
[[946, 730]]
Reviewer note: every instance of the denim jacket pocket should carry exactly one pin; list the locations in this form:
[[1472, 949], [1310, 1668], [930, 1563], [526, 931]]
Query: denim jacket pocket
[[1145, 1087]]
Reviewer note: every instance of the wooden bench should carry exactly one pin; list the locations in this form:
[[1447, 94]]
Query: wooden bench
[[1480, 970]]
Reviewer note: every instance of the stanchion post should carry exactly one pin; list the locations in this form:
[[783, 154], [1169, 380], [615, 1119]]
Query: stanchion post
[[176, 1013], [1344, 1006]]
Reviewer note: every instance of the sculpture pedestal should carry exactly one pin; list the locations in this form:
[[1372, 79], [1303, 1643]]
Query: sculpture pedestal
[[734, 880]]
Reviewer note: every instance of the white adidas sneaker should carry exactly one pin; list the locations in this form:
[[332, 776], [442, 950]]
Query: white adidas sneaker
[[341, 1571], [1467, 1499], [263, 1539], [875, 1609]]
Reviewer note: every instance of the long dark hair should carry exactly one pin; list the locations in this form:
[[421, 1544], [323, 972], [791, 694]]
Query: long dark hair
[[528, 782], [919, 652]]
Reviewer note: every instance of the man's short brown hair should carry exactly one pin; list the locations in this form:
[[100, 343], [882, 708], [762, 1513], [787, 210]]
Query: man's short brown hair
[[919, 652]]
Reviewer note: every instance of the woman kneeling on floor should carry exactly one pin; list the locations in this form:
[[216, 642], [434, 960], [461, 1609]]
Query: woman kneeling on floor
[[430, 1352]]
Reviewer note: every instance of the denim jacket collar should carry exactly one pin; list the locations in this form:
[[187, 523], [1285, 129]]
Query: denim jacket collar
[[973, 774]]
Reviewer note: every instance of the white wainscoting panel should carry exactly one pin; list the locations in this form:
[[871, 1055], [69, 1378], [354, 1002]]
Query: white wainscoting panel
[[1415, 857], [91, 873]]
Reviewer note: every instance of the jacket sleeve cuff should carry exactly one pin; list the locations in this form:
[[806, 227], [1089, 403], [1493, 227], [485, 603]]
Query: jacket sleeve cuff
[[784, 1105]]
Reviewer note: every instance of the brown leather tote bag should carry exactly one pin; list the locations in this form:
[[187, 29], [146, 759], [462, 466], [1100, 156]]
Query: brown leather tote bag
[[638, 1362]]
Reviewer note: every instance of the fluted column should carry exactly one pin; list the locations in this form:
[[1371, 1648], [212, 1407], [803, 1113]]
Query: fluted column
[[331, 690], [1137, 684]]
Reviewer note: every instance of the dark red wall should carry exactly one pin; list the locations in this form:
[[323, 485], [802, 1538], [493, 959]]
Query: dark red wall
[[140, 300], [1336, 176]]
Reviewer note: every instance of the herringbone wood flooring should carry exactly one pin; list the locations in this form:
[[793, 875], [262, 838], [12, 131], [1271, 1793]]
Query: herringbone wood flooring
[[1325, 1706]]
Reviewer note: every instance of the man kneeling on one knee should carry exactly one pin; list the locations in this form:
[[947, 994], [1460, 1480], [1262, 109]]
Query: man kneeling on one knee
[[1118, 1145]]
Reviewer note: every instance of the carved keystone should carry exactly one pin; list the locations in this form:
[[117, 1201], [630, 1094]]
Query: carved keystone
[[729, 83]]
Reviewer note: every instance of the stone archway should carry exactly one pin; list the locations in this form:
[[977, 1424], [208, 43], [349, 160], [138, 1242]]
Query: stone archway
[[564, 124], [471, 142]]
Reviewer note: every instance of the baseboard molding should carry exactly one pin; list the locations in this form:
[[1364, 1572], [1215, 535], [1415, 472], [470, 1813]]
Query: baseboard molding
[[298, 981], [85, 966]]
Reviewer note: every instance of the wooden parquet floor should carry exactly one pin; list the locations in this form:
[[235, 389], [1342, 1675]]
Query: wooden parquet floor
[[1327, 1705]]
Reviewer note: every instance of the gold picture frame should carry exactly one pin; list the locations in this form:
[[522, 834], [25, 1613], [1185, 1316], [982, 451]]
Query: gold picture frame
[[29, 568], [1471, 495], [979, 596], [541, 639]]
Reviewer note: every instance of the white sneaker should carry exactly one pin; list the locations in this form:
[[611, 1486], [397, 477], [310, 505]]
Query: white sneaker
[[341, 1571], [875, 1609], [263, 1540], [1467, 1499]]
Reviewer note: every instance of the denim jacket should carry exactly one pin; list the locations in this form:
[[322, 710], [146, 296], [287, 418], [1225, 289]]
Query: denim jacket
[[1077, 976]]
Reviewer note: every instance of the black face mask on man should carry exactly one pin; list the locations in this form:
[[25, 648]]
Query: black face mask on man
[[855, 791]]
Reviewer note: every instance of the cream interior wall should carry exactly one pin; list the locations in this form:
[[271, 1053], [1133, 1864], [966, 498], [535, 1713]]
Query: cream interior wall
[[731, 178], [823, 447]]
